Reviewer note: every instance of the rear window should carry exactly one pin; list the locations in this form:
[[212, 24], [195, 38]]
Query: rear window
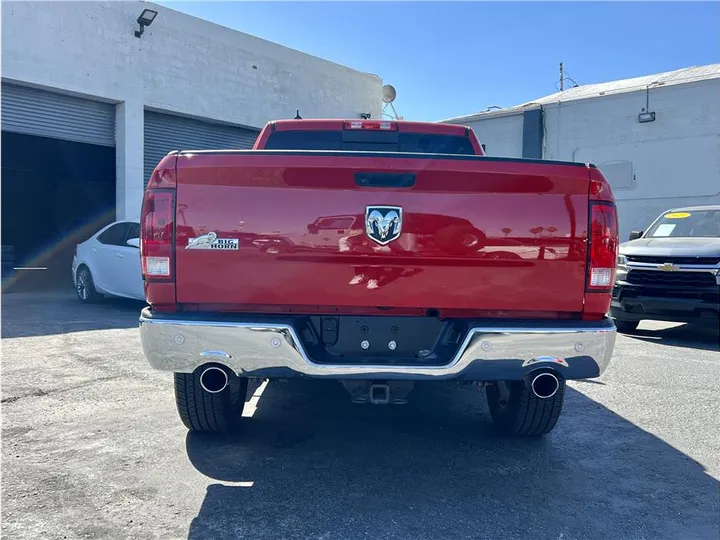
[[115, 235], [370, 141], [691, 223]]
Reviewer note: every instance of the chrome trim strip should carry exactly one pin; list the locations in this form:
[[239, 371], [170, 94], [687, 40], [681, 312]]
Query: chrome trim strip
[[215, 354], [545, 359], [630, 265], [178, 346]]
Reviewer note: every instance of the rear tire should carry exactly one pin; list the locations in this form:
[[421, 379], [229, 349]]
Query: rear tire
[[626, 327], [515, 410], [205, 412], [85, 286]]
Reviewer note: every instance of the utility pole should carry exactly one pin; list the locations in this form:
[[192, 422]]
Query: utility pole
[[562, 78]]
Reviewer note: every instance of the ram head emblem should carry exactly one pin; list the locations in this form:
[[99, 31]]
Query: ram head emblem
[[383, 224]]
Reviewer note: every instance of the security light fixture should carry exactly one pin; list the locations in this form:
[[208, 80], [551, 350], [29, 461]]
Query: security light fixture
[[146, 18], [644, 117]]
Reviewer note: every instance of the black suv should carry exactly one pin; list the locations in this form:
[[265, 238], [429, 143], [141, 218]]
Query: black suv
[[671, 272]]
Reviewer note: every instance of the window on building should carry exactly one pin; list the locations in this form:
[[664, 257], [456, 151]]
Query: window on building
[[619, 173]]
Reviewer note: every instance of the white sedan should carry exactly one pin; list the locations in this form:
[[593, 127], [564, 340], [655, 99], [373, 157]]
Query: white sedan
[[108, 263]]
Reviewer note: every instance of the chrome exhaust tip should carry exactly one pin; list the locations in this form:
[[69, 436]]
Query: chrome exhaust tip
[[544, 385], [214, 379]]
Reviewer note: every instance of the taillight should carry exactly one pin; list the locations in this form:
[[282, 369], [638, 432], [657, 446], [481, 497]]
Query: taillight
[[602, 252], [370, 125], [157, 231]]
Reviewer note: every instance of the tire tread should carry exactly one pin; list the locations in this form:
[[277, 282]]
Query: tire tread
[[201, 411], [525, 414], [93, 295], [626, 327]]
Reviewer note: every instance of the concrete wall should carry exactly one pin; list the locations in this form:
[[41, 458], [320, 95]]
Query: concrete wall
[[501, 135], [675, 159], [653, 166], [181, 64]]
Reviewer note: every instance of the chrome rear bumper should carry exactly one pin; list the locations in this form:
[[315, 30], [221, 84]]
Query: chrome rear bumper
[[496, 351]]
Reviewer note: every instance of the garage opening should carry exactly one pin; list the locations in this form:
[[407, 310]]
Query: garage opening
[[167, 132], [55, 193], [58, 182]]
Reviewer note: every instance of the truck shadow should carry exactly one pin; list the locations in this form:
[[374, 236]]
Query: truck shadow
[[685, 335], [27, 314], [310, 464]]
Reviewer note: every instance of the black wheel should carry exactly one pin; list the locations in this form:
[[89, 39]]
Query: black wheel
[[85, 287], [202, 411], [517, 411], [626, 326]]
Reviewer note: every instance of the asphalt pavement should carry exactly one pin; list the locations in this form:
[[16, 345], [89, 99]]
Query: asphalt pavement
[[92, 447]]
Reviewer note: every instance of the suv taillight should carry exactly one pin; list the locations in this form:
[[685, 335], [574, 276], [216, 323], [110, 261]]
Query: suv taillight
[[602, 252], [157, 231]]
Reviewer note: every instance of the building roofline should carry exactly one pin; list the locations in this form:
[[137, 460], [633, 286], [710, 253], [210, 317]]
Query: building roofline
[[510, 111], [686, 75]]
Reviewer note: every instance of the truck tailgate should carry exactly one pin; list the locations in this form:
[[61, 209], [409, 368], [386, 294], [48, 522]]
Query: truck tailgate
[[288, 228]]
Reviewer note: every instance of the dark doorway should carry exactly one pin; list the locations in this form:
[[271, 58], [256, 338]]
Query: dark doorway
[[55, 193]]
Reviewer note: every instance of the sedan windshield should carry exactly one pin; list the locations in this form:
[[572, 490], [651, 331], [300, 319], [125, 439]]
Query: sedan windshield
[[691, 223]]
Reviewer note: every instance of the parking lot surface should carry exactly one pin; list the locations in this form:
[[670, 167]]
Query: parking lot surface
[[92, 447]]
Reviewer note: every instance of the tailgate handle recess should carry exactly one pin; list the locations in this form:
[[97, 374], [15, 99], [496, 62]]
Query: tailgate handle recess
[[388, 180]]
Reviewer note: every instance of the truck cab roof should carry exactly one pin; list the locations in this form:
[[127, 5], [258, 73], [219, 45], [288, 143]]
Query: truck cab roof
[[392, 125]]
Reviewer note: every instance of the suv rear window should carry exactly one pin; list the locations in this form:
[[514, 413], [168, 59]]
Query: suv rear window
[[370, 141]]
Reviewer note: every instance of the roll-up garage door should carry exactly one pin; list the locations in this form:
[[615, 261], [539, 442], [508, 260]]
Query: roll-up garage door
[[31, 111], [166, 132]]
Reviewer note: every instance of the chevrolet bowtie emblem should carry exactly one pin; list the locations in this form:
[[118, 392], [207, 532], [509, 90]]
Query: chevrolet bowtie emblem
[[668, 267]]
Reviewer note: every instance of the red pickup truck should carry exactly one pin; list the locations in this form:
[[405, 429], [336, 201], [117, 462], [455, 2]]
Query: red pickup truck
[[377, 254]]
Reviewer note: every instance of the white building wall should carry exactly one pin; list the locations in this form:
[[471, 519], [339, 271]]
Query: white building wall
[[129, 160], [673, 161], [181, 64], [501, 135]]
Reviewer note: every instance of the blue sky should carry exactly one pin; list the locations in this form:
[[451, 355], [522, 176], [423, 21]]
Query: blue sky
[[454, 58]]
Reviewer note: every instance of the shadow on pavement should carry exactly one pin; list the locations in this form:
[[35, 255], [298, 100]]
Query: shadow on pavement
[[685, 335], [311, 465], [47, 313]]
